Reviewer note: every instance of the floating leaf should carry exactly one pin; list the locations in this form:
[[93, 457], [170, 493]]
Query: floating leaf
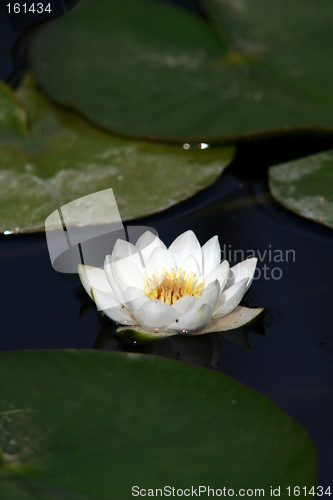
[[149, 69], [84, 424], [240, 316], [12, 116], [305, 186], [64, 158]]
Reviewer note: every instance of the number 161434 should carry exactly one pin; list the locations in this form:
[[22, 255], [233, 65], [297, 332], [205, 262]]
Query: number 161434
[[24, 8]]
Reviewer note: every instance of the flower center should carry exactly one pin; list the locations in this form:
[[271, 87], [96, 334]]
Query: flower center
[[169, 287]]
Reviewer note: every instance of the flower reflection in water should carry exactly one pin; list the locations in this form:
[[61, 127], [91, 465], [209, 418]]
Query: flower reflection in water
[[203, 350]]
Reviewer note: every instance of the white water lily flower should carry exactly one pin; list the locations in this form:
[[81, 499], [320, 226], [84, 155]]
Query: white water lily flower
[[184, 289]]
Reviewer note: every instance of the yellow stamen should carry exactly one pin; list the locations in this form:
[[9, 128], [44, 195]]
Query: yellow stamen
[[169, 287]]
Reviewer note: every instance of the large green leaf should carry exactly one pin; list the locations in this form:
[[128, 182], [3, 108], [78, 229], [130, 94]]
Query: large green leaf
[[150, 69], [305, 186], [13, 118], [65, 158], [90, 425]]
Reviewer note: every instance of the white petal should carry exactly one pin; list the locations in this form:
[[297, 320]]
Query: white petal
[[134, 298], [219, 273], [190, 265], [244, 269], [93, 276], [111, 308], [211, 252], [127, 273], [103, 300], [184, 304], [125, 250], [155, 315], [147, 243], [194, 319], [230, 298], [159, 258], [111, 277], [186, 244], [210, 295]]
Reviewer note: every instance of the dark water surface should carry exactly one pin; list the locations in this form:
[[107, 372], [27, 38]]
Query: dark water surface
[[291, 356]]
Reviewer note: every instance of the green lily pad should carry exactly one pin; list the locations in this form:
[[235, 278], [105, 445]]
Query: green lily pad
[[13, 119], [89, 424], [149, 69], [64, 158], [305, 186]]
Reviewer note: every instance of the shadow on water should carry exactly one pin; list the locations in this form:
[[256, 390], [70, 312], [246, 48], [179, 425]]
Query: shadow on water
[[291, 356]]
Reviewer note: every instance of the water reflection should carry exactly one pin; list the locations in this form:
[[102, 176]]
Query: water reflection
[[203, 350]]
